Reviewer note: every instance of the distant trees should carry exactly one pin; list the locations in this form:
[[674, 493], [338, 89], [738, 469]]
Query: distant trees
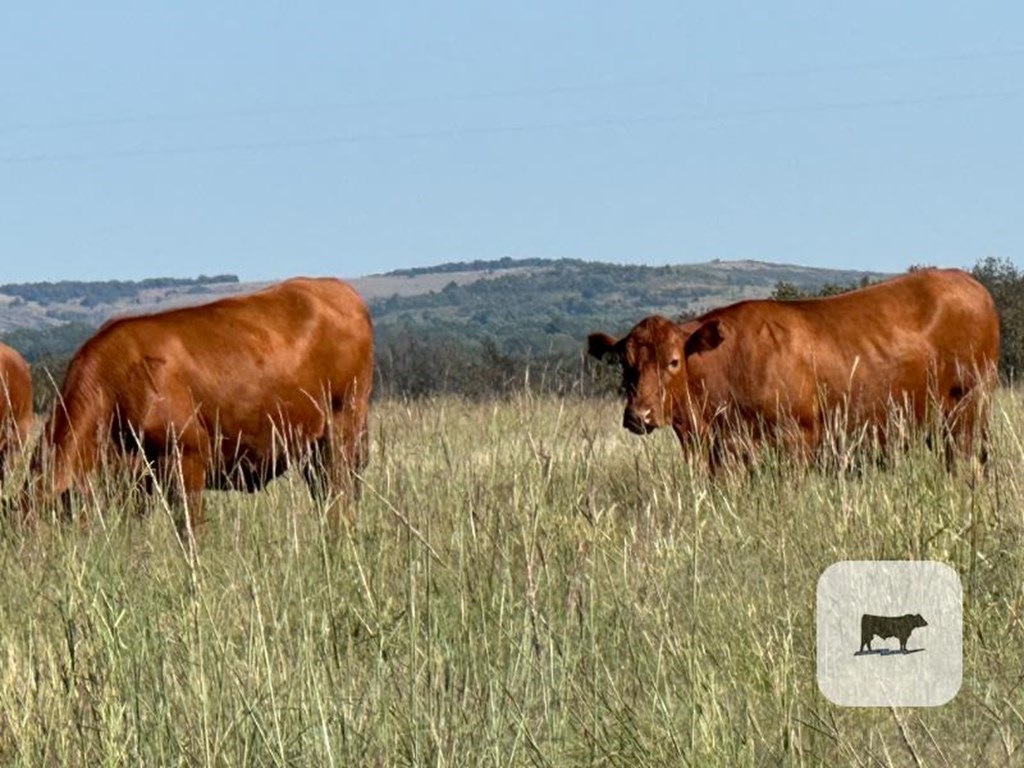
[[786, 291], [421, 364], [479, 265], [1006, 284], [47, 376], [53, 341], [95, 293]]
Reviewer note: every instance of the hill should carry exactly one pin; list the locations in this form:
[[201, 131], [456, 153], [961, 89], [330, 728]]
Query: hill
[[543, 307], [520, 305], [476, 328]]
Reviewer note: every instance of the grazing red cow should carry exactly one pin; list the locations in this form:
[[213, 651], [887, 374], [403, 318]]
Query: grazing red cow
[[223, 395], [790, 370], [15, 403]]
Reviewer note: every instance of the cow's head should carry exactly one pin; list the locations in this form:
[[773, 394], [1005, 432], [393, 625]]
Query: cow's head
[[654, 374]]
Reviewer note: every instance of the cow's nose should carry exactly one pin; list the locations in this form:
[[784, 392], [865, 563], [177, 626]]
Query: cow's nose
[[637, 423]]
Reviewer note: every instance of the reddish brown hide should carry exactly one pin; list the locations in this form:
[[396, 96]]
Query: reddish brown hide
[[926, 342], [15, 404], [223, 395]]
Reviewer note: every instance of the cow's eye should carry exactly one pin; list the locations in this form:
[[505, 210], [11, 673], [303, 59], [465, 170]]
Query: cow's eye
[[673, 364]]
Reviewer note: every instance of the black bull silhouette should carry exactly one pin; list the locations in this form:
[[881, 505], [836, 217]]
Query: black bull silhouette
[[889, 626]]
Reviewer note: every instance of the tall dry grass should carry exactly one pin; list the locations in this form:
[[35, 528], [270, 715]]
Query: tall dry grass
[[528, 584]]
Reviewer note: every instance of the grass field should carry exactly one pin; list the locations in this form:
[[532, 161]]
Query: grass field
[[528, 584]]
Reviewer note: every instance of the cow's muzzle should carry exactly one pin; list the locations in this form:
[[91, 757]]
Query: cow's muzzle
[[637, 423]]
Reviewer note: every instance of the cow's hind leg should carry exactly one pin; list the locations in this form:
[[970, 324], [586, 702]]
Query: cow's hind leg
[[193, 480]]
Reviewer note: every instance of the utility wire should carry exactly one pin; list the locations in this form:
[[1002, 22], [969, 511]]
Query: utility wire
[[495, 130], [554, 90]]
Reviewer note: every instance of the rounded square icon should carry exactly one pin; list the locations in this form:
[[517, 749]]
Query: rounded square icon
[[890, 633]]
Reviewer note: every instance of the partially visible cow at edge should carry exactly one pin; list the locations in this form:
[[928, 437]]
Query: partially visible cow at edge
[[926, 342], [15, 404], [222, 395]]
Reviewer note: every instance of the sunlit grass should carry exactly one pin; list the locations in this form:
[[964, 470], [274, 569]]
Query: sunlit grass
[[527, 584]]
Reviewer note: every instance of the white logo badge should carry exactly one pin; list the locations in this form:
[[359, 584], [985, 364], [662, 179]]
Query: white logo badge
[[890, 633]]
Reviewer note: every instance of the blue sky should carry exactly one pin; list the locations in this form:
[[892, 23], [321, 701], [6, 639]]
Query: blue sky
[[271, 139]]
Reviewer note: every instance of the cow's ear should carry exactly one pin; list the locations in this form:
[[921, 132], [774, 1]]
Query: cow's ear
[[707, 337], [601, 344]]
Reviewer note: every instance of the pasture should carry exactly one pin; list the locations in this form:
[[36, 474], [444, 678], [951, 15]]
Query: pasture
[[528, 584]]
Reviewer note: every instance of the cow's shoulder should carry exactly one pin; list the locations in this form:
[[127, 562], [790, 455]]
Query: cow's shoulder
[[756, 323]]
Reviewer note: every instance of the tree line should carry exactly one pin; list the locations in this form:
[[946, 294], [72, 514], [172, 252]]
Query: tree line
[[419, 360], [93, 293]]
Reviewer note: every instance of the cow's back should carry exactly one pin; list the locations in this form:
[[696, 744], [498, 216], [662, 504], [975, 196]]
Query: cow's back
[[929, 333], [15, 399], [942, 316]]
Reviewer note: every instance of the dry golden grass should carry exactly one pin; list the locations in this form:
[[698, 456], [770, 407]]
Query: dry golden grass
[[528, 584]]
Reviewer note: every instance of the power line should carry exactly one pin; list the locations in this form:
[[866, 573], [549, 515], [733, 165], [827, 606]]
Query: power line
[[614, 122], [553, 90]]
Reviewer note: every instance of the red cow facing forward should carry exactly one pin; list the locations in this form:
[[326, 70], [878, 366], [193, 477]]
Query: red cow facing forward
[[923, 341], [15, 403], [223, 395]]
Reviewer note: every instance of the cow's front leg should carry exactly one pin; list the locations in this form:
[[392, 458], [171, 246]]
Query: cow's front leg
[[192, 476]]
